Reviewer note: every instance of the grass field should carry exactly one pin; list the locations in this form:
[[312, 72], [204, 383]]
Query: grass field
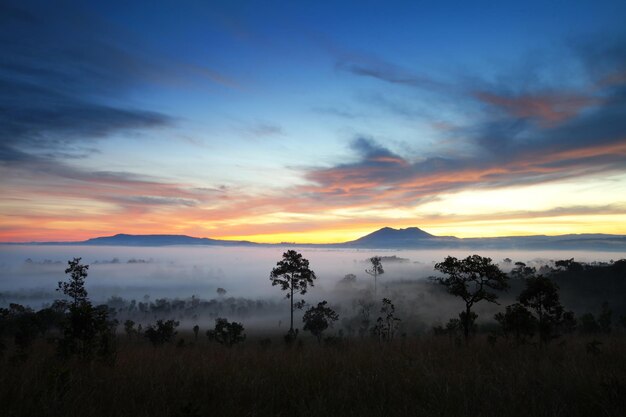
[[430, 376]]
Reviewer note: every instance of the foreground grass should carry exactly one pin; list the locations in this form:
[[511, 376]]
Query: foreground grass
[[423, 377]]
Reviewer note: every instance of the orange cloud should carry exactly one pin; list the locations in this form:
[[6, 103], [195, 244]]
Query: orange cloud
[[548, 109]]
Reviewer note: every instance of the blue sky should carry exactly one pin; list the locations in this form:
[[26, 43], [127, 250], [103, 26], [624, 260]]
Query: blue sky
[[311, 122]]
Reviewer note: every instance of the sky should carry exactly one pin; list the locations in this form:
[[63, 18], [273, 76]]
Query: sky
[[311, 121]]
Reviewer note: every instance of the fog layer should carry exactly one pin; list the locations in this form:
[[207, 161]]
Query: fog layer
[[32, 272]]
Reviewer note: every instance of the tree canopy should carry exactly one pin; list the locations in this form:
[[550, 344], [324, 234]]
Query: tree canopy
[[473, 279], [319, 318], [292, 274]]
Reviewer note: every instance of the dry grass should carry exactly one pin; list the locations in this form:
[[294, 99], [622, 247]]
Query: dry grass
[[423, 377]]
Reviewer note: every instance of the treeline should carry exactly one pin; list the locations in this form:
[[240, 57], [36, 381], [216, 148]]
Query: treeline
[[538, 313]]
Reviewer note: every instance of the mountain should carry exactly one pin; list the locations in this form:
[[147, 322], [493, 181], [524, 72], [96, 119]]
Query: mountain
[[388, 237], [385, 238], [152, 240], [415, 238]]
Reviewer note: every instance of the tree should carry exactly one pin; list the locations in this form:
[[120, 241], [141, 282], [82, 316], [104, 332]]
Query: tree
[[292, 273], [161, 332], [196, 329], [317, 319], [521, 271], [518, 321], [221, 292], [375, 270], [75, 288], [386, 326], [226, 333], [473, 279], [87, 330], [129, 328], [541, 296], [347, 281]]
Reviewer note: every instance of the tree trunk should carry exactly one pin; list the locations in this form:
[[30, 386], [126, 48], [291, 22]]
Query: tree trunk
[[291, 326], [375, 290], [466, 322]]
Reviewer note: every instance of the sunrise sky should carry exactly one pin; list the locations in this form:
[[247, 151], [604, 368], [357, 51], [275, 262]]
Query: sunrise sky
[[311, 121]]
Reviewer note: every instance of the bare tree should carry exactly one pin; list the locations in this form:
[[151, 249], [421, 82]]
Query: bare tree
[[375, 270]]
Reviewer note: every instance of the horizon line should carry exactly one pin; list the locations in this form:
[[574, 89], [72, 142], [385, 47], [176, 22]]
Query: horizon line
[[300, 243]]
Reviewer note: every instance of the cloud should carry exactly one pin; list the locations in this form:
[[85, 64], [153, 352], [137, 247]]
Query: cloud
[[37, 116], [389, 73], [62, 79], [66, 78], [261, 129], [549, 109], [147, 200], [380, 176]]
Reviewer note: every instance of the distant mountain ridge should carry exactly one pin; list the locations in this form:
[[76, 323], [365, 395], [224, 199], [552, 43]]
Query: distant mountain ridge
[[161, 240], [385, 238], [122, 239]]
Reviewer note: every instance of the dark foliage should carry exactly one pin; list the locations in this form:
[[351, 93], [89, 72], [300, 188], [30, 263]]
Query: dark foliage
[[517, 321], [541, 296], [161, 332], [292, 273], [75, 287], [319, 318], [88, 331], [473, 279], [226, 333], [387, 323]]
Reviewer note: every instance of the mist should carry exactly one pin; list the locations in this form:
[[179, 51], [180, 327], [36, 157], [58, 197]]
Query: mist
[[29, 276]]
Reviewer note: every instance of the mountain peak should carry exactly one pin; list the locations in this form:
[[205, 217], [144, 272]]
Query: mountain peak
[[414, 232], [390, 237]]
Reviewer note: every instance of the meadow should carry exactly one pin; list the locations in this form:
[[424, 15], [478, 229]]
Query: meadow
[[427, 376]]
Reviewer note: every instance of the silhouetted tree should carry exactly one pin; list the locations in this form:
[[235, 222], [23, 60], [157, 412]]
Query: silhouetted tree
[[347, 281], [51, 317], [226, 333], [521, 271], [25, 328], [317, 319], [221, 292], [542, 297], [473, 279], [292, 273], [87, 330], [569, 265], [75, 287], [375, 270], [517, 321], [387, 323], [196, 329], [161, 332], [129, 328]]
